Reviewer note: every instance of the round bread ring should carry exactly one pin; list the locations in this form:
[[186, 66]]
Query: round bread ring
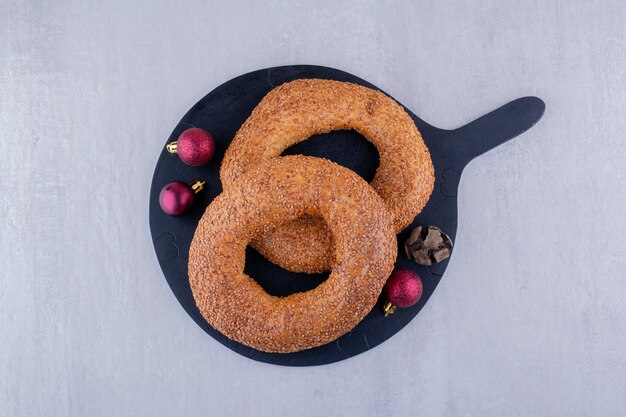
[[296, 110], [276, 191]]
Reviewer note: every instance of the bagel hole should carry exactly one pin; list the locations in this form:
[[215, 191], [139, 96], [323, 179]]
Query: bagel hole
[[344, 147], [277, 281]]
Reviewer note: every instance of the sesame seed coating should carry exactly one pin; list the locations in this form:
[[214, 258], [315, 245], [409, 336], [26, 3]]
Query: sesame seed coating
[[270, 194], [296, 110]]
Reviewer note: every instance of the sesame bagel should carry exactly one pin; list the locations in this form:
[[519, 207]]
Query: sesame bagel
[[269, 194], [296, 110]]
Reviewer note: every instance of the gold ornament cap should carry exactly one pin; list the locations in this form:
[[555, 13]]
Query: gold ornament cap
[[197, 186], [389, 308], [172, 147]]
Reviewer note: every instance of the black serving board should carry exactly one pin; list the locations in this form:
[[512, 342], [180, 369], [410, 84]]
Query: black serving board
[[223, 111]]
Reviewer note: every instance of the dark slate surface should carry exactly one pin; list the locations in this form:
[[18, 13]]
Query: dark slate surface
[[222, 112]]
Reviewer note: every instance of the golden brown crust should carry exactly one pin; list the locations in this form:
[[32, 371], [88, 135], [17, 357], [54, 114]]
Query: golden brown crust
[[301, 245], [293, 112], [271, 193]]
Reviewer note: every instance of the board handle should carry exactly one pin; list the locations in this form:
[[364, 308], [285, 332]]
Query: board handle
[[495, 128]]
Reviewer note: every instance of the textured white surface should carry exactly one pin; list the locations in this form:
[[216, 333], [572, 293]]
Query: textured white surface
[[530, 319]]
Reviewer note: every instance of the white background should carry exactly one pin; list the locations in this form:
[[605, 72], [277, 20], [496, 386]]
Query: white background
[[530, 319]]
